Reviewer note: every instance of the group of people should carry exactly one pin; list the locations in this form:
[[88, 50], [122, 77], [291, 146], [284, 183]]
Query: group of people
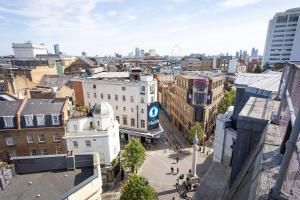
[[177, 169]]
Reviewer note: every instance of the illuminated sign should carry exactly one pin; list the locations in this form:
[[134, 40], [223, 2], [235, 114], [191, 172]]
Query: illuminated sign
[[153, 115]]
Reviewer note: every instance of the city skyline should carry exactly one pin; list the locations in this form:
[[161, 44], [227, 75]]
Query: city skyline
[[102, 27]]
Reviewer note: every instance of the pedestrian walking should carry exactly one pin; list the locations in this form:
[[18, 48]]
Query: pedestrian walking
[[177, 159], [173, 198], [177, 170], [172, 170]]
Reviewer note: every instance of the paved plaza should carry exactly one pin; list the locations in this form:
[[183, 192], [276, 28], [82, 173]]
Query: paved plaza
[[157, 168]]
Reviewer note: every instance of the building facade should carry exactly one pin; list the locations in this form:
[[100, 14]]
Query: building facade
[[28, 50], [32, 127], [98, 133], [134, 101], [195, 98], [283, 38]]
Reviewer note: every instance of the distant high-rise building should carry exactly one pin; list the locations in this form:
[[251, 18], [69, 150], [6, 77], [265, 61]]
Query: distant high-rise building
[[56, 49], [283, 38], [237, 54], [137, 52], [152, 52], [142, 52], [254, 53], [241, 53], [245, 54], [84, 54]]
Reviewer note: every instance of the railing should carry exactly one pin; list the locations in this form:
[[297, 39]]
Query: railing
[[289, 94]]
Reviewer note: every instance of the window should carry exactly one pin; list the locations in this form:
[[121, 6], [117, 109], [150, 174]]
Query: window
[[152, 98], [293, 18], [132, 110], [42, 138], [143, 88], [33, 152], [8, 121], [29, 139], [116, 97], [101, 95], [56, 137], [123, 88], [75, 144], [142, 100], [124, 108], [95, 95], [118, 118], [124, 98], [132, 122], [44, 151], [108, 96], [117, 107], [88, 143], [282, 19], [152, 89], [40, 120], [9, 141], [75, 128], [142, 110], [55, 119], [143, 123], [28, 120], [59, 150], [131, 99], [12, 154], [124, 120], [88, 95], [94, 86]]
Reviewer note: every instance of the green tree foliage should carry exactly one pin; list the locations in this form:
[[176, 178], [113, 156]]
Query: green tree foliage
[[197, 127], [133, 155], [226, 101], [257, 69], [137, 188]]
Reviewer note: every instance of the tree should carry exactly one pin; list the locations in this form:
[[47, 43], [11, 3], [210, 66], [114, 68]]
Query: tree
[[133, 155], [227, 100], [200, 133], [137, 188], [257, 69]]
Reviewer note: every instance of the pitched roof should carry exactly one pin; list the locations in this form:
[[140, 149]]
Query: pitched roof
[[42, 106], [54, 80], [9, 108]]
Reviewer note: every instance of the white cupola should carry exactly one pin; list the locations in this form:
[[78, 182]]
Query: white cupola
[[103, 116]]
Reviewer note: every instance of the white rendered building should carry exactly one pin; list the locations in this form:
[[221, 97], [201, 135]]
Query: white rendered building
[[28, 50], [134, 101], [99, 133], [283, 38]]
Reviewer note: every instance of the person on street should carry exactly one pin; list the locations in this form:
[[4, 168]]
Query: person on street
[[177, 159], [177, 170], [172, 170]]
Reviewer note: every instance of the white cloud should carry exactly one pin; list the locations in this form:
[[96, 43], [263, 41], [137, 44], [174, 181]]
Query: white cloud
[[132, 17], [112, 13], [228, 4]]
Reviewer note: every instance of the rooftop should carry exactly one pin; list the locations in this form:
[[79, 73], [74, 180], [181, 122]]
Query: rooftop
[[9, 108], [43, 106], [49, 185], [54, 80]]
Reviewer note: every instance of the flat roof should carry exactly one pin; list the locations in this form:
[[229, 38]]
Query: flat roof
[[49, 185], [111, 75], [267, 81]]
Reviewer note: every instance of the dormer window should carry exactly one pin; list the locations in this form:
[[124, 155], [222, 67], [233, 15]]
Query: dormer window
[[40, 120], [29, 120], [8, 121], [55, 119]]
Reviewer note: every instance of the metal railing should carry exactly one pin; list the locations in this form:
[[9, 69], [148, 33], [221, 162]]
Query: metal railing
[[289, 94]]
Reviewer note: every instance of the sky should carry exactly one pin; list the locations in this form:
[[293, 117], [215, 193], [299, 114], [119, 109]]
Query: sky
[[105, 27]]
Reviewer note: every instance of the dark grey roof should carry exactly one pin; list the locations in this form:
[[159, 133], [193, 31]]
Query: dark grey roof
[[50, 185], [54, 80], [9, 108], [42, 106]]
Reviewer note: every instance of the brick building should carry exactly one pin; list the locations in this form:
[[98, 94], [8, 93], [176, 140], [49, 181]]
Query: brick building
[[31, 127], [195, 98]]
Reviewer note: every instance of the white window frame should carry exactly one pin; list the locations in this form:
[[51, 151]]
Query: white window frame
[[53, 120], [54, 139], [42, 141], [75, 146], [9, 141], [31, 152], [40, 118], [8, 121], [42, 151], [143, 125], [58, 150], [88, 143], [12, 154], [29, 141], [28, 120]]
